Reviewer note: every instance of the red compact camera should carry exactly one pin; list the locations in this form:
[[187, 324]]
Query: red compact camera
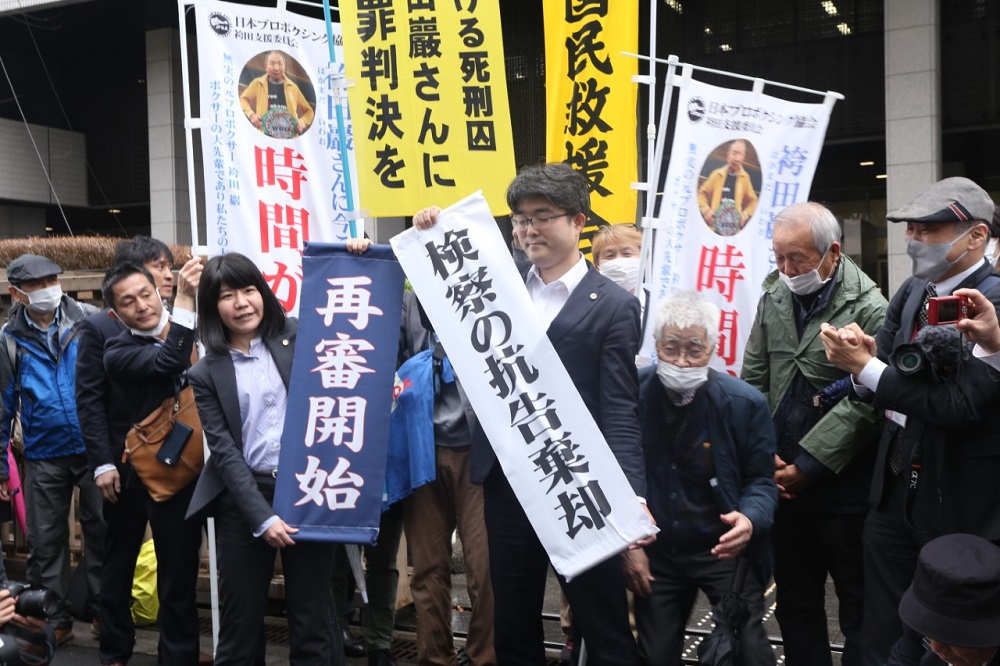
[[948, 309]]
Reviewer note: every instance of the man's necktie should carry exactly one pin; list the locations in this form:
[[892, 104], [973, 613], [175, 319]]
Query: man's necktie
[[922, 314], [896, 446]]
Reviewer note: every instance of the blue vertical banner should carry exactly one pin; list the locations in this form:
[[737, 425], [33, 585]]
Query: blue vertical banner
[[333, 449]]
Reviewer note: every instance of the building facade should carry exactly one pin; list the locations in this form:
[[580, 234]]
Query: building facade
[[91, 102]]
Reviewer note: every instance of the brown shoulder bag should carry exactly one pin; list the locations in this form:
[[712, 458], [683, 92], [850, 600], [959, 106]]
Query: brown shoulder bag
[[165, 449]]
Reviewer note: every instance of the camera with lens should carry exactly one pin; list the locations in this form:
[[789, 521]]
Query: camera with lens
[[935, 354], [23, 644], [31, 601], [948, 309], [909, 360]]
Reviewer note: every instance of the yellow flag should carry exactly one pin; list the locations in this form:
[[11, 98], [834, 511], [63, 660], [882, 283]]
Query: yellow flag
[[429, 104], [591, 101]]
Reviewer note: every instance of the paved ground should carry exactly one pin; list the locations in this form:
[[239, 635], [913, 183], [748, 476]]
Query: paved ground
[[83, 649]]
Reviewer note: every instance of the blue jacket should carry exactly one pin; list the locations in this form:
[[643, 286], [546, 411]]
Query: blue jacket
[[742, 437], [45, 389], [411, 461]]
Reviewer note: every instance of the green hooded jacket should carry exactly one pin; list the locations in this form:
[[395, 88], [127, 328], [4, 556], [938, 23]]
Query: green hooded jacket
[[774, 352]]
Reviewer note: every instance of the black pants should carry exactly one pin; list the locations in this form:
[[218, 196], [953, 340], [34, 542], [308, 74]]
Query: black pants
[[890, 553], [518, 568], [807, 547], [246, 566], [178, 547], [662, 616]]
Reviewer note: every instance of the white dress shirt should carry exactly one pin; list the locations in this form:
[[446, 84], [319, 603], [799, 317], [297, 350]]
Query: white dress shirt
[[550, 298]]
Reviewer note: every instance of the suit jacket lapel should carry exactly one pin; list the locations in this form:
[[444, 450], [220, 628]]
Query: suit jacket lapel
[[908, 321], [282, 348], [584, 298], [224, 377]]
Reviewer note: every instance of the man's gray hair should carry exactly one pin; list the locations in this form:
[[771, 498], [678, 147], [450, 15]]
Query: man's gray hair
[[685, 309], [823, 225]]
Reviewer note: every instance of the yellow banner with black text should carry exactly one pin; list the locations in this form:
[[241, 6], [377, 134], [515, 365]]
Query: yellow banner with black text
[[591, 101], [429, 102]]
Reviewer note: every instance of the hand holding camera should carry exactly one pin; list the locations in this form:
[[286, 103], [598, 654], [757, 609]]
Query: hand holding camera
[[981, 327], [948, 309], [25, 636]]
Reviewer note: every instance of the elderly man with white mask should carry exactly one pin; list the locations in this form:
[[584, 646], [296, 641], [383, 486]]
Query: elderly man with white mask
[[825, 444], [709, 448]]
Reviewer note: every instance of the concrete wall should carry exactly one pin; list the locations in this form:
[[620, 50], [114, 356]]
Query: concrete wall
[[169, 207], [31, 151], [912, 113]]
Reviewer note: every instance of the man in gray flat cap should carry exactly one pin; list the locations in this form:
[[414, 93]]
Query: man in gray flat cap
[[38, 347], [938, 461]]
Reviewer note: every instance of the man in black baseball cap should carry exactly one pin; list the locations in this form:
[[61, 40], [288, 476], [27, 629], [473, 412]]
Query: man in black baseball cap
[[954, 602], [937, 461]]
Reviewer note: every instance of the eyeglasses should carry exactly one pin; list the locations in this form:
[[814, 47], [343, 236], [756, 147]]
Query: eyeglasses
[[671, 353], [537, 222]]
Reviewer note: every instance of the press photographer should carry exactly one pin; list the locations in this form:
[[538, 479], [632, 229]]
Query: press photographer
[[937, 461], [25, 634]]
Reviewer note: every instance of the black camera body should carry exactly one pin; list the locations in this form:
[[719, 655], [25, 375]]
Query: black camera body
[[30, 601], [19, 644]]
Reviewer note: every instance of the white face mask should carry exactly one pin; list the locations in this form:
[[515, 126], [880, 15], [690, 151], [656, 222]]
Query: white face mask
[[681, 380], [623, 271], [44, 300], [807, 283], [154, 332]]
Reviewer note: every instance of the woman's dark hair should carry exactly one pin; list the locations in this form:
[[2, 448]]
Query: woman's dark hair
[[235, 271]]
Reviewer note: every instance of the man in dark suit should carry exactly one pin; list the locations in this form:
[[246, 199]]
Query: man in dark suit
[[145, 362], [594, 326], [124, 505], [938, 460]]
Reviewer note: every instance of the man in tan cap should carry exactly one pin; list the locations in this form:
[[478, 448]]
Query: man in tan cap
[[938, 460]]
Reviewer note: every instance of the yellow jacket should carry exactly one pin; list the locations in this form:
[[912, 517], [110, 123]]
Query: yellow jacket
[[711, 189], [254, 100]]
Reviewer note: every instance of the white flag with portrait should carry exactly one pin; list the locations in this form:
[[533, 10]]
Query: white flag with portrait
[[738, 158]]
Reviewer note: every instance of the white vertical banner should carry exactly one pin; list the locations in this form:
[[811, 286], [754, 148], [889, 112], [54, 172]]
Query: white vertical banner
[[270, 147], [552, 452], [738, 158]]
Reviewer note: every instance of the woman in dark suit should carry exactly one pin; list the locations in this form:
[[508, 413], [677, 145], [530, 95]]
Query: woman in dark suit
[[241, 388]]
